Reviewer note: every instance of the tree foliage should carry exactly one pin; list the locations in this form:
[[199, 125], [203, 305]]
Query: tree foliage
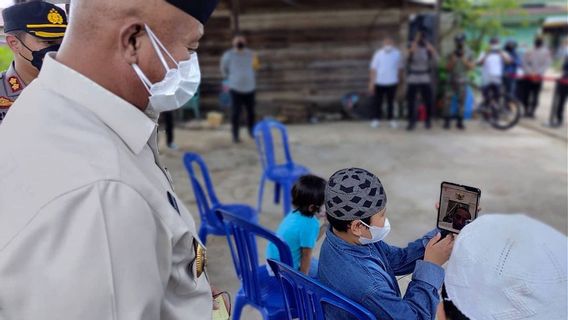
[[481, 18]]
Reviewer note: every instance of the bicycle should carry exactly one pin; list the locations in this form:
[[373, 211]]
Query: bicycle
[[500, 109]]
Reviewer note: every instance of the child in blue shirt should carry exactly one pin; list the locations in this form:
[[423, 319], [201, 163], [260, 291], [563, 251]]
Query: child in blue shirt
[[300, 229]]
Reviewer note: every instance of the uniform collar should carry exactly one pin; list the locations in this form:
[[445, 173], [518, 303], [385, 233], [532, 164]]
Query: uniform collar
[[127, 121], [13, 82], [344, 246]]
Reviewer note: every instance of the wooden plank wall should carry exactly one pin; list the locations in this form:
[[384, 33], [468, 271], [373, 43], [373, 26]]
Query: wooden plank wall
[[310, 58]]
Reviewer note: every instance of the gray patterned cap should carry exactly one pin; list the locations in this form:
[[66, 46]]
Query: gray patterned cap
[[354, 194]]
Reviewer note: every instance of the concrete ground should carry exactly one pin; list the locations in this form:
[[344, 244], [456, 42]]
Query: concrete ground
[[520, 170]]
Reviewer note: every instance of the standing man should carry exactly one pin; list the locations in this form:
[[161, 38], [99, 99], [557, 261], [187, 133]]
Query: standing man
[[32, 29], [535, 63], [460, 62], [421, 58], [90, 226], [238, 66], [492, 63], [386, 68], [511, 69]]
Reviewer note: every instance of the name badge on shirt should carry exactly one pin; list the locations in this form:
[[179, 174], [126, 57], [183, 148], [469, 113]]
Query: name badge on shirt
[[200, 258]]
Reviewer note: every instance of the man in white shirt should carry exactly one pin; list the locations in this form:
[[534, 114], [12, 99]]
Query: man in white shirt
[[492, 63], [90, 226], [385, 69]]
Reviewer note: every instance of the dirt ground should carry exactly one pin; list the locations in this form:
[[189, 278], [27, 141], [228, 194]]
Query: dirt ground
[[520, 170]]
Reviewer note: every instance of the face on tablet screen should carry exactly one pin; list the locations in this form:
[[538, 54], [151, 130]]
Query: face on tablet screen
[[458, 207]]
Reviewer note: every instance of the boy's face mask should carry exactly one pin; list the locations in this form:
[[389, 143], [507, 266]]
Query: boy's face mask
[[377, 233]]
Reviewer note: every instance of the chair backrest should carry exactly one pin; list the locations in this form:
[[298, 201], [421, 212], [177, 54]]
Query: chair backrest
[[308, 297], [204, 197], [241, 236], [265, 143]]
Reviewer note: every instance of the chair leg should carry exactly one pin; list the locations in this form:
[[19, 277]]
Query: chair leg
[[203, 234], [240, 303], [287, 198], [260, 193], [277, 188]]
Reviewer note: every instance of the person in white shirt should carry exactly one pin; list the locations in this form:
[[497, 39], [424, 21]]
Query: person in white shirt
[[90, 226], [385, 70], [492, 63]]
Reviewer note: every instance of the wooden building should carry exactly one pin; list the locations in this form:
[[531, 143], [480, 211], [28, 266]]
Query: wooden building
[[311, 51]]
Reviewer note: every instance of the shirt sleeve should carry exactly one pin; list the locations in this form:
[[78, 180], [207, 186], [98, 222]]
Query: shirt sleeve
[[224, 65], [309, 234], [419, 302], [374, 61], [94, 253], [403, 260]]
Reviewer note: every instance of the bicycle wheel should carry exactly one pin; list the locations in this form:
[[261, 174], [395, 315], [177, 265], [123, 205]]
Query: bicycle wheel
[[505, 114]]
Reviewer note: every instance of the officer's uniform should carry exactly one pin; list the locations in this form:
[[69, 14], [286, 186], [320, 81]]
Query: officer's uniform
[[40, 19], [10, 89], [90, 226]]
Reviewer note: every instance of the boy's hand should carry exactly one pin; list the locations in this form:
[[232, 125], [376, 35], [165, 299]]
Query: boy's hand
[[439, 251]]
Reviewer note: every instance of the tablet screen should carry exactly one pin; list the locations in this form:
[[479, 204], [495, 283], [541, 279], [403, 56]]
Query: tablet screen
[[458, 206]]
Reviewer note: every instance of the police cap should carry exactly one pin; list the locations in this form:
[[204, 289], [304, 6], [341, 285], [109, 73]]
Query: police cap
[[38, 18]]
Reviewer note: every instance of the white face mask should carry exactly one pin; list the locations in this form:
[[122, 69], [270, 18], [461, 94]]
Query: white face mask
[[179, 84], [377, 233]]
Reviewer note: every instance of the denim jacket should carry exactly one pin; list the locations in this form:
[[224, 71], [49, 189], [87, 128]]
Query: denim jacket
[[366, 274]]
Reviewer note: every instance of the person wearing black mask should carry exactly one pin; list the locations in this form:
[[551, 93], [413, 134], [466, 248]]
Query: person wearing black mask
[[460, 62], [510, 72], [238, 66], [535, 64], [422, 58], [32, 29]]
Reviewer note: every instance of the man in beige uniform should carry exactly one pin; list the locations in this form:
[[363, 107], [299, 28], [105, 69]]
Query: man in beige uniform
[[90, 227]]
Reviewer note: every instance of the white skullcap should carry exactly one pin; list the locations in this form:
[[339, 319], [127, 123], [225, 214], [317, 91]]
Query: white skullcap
[[507, 267]]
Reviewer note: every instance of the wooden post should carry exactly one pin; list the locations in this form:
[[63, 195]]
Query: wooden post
[[235, 15], [439, 4]]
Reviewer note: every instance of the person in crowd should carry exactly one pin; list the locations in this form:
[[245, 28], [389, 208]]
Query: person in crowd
[[535, 63], [493, 63], [518, 272], [32, 29], [239, 66], [169, 124], [90, 226], [561, 92], [460, 62], [511, 69], [355, 260], [422, 58], [300, 229], [385, 73]]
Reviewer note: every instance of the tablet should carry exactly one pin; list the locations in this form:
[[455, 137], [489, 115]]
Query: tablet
[[458, 206]]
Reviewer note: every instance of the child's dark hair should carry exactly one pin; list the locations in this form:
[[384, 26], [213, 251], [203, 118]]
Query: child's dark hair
[[343, 225], [308, 191]]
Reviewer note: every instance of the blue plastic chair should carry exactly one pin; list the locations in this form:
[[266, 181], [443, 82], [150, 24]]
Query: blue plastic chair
[[307, 297], [207, 201], [283, 175], [258, 289]]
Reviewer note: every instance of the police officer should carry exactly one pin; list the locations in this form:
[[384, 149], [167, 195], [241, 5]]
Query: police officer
[[90, 226], [32, 29]]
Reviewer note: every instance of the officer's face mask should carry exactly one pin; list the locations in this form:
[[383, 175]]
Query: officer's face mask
[[39, 55], [377, 233], [179, 84]]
